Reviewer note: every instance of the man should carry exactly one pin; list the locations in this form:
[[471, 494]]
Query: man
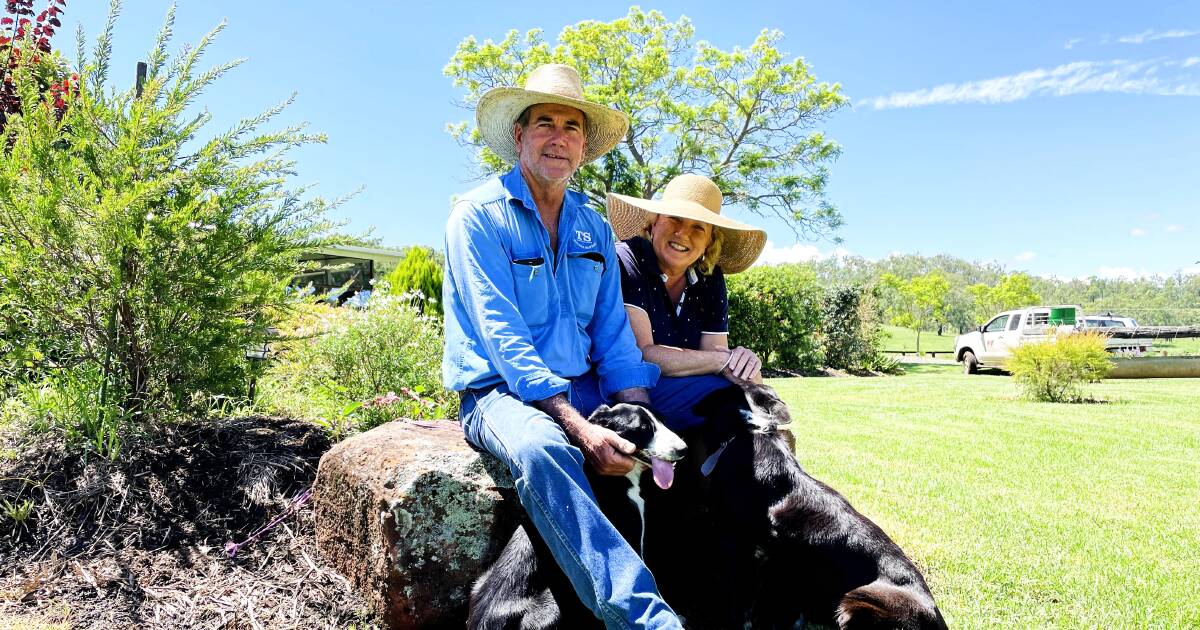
[[537, 337]]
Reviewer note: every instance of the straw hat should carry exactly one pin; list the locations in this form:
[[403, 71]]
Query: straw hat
[[692, 197], [499, 108]]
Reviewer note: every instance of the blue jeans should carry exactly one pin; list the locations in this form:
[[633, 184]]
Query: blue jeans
[[608, 575]]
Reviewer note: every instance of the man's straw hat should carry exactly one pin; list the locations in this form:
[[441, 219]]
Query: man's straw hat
[[500, 107], [692, 197]]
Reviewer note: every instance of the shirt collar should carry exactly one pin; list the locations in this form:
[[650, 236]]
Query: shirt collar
[[516, 188], [514, 184], [692, 276]]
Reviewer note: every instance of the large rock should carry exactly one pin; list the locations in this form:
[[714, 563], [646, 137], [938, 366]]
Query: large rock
[[411, 515]]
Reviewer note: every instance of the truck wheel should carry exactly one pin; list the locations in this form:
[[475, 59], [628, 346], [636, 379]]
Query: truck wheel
[[970, 363]]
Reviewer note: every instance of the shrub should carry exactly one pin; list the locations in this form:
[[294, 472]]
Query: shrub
[[776, 311], [133, 246], [419, 272], [1055, 370], [850, 331], [354, 369]]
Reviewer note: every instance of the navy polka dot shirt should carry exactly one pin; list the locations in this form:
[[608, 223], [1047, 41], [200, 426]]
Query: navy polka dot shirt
[[704, 307]]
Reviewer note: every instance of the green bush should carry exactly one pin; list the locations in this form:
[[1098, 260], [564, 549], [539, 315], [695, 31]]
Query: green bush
[[135, 246], [1055, 370], [353, 369], [419, 272], [850, 331], [776, 311]]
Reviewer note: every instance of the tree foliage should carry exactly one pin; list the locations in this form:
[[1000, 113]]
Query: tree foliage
[[1162, 300], [1014, 291], [919, 302], [133, 246], [748, 118], [25, 46]]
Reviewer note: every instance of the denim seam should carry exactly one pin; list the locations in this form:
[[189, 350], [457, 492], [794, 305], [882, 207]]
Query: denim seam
[[601, 603]]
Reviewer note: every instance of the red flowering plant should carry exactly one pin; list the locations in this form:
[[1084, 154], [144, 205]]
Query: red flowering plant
[[25, 47]]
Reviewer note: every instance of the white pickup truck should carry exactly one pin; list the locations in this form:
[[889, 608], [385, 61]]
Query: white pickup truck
[[993, 342]]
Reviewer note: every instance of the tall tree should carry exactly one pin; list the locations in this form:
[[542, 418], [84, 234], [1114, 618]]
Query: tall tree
[[748, 118], [1015, 290], [920, 302]]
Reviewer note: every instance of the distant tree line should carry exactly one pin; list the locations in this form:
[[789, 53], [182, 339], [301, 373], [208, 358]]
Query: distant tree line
[[973, 292]]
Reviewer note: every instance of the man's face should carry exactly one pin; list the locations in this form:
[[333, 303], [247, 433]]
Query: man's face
[[551, 145]]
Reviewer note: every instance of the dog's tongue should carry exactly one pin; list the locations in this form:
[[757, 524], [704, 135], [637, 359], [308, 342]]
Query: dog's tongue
[[664, 472]]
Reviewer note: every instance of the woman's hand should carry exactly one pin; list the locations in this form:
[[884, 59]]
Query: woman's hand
[[743, 366]]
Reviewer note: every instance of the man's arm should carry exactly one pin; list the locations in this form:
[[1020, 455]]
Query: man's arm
[[606, 451], [614, 352]]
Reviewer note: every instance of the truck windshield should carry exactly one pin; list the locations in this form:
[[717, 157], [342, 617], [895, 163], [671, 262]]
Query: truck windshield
[[996, 324]]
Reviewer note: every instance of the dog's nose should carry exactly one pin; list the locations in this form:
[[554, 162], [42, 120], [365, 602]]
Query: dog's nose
[[666, 445]]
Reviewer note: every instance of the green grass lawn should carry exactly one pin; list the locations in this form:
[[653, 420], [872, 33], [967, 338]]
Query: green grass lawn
[[1177, 346], [897, 339], [1021, 514]]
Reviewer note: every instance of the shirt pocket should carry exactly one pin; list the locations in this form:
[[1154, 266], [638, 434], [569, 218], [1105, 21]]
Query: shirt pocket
[[531, 282], [585, 270]]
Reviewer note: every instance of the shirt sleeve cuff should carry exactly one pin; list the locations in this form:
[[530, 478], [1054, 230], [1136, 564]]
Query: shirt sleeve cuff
[[642, 374], [540, 386]]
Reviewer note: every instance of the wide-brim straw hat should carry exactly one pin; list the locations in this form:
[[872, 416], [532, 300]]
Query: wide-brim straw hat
[[500, 107], [692, 197]]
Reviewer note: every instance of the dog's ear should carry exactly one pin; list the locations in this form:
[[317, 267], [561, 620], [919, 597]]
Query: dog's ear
[[767, 410]]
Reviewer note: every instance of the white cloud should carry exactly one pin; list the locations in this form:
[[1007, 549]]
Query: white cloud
[[1079, 77], [1150, 35], [1191, 61], [1025, 256], [1174, 228], [1194, 270], [1137, 232], [1152, 216], [1071, 42], [800, 252]]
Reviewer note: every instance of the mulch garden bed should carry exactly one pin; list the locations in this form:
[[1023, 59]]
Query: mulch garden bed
[[143, 541]]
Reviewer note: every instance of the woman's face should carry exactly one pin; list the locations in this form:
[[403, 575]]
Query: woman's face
[[678, 243]]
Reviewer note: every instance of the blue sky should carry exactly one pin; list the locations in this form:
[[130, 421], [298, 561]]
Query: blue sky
[[1058, 138]]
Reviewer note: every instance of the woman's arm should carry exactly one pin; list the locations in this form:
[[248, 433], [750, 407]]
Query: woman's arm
[[677, 361]]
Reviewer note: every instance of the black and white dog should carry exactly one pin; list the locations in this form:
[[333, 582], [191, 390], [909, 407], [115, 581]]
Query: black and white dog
[[525, 589], [789, 549]]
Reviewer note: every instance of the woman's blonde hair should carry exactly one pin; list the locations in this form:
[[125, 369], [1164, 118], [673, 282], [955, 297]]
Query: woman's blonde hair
[[712, 253]]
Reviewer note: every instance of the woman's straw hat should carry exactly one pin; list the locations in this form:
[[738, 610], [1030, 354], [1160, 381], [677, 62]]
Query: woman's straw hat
[[692, 197], [500, 107]]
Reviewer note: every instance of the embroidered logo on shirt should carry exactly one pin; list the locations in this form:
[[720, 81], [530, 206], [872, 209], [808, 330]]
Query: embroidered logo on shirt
[[584, 238]]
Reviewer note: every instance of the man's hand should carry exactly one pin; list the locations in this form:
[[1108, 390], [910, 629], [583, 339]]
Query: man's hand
[[743, 366], [607, 452]]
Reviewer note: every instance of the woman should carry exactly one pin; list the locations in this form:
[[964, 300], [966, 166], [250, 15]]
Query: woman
[[674, 254]]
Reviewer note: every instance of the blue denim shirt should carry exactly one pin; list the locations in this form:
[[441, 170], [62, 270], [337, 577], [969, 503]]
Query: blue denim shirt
[[518, 313]]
